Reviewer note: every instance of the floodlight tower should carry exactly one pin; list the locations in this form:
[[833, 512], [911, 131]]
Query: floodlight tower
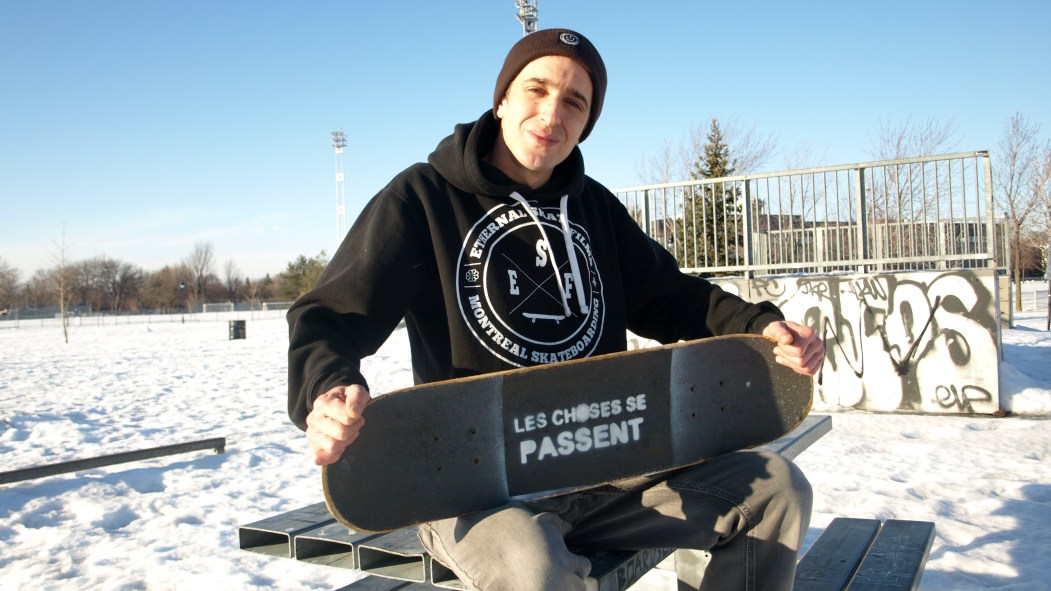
[[527, 15], [339, 141]]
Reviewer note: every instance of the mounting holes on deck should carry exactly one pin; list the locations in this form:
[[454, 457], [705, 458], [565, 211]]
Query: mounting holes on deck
[[477, 460]]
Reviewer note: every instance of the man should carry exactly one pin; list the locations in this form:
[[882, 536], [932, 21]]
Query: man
[[499, 253]]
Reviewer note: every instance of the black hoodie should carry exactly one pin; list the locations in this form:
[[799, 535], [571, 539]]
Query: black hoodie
[[482, 271]]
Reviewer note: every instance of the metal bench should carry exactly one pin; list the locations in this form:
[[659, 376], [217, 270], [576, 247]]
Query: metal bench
[[864, 554], [398, 561]]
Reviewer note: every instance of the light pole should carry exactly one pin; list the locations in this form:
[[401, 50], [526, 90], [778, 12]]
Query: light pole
[[339, 141], [527, 15], [182, 298]]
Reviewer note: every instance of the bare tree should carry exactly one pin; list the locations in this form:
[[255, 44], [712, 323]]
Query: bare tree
[[93, 282], [664, 167], [799, 190], [803, 156], [749, 149], [126, 285], [1031, 252], [37, 290], [233, 279], [909, 139], [8, 287], [61, 281], [895, 189], [1014, 175], [1042, 191], [252, 292], [201, 264]]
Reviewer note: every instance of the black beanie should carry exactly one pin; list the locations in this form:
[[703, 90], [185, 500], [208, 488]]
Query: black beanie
[[561, 42]]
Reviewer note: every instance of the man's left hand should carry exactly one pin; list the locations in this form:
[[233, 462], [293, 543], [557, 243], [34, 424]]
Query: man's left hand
[[798, 346]]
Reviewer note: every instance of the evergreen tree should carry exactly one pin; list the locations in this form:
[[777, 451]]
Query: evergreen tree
[[301, 275], [708, 233], [715, 162]]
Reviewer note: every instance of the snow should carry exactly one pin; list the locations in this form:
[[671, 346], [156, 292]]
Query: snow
[[171, 523]]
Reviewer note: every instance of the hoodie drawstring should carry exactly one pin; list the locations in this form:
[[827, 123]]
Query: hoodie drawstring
[[571, 253], [574, 267]]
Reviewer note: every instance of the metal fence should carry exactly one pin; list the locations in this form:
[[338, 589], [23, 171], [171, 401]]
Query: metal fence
[[239, 312], [924, 213]]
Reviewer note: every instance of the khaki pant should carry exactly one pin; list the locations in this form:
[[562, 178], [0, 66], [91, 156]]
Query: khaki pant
[[749, 509]]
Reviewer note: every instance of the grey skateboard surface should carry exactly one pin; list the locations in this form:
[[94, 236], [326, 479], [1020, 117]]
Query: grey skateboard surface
[[451, 448]]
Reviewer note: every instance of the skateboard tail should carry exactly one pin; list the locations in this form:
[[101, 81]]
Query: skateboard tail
[[426, 460], [738, 399]]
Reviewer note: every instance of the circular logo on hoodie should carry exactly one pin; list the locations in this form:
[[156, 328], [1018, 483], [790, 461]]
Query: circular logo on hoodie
[[522, 295]]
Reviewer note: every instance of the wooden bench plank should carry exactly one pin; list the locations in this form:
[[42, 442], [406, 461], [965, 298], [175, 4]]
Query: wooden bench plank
[[831, 562]]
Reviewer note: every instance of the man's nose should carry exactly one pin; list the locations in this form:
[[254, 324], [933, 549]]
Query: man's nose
[[551, 110]]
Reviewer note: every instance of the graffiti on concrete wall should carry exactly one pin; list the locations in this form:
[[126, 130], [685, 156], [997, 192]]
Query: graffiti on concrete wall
[[920, 341]]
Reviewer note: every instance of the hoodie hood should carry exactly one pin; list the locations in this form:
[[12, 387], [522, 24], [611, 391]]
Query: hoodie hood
[[459, 158]]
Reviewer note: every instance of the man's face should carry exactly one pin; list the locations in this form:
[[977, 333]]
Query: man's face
[[542, 117]]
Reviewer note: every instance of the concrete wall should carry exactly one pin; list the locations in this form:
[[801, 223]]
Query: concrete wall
[[917, 341]]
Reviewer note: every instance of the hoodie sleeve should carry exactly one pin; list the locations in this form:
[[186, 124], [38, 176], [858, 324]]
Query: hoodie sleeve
[[667, 305], [357, 302]]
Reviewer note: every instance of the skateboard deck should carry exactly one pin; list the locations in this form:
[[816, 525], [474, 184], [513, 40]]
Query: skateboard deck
[[451, 448]]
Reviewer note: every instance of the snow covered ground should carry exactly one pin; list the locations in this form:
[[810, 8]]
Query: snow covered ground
[[171, 523]]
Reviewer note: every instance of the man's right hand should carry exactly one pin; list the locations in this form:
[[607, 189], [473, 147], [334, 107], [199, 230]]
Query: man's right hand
[[335, 422]]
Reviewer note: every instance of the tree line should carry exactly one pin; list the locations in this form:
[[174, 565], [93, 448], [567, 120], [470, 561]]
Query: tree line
[[103, 284]]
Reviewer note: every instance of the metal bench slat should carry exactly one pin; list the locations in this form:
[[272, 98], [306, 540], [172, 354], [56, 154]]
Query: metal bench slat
[[831, 562], [897, 557], [330, 545], [613, 571], [381, 584], [396, 555], [274, 535]]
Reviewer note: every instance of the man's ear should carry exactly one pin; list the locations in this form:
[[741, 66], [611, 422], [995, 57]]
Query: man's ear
[[500, 108]]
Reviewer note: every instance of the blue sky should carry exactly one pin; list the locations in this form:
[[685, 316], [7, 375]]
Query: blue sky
[[140, 128]]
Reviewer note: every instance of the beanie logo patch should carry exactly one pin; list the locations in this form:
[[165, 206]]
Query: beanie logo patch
[[569, 39]]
